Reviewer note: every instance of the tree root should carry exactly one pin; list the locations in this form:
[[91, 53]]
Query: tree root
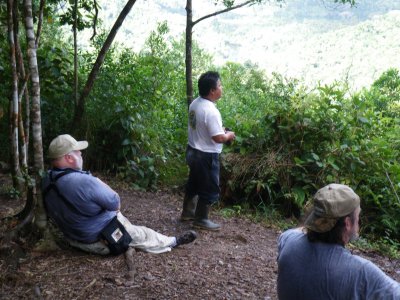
[[130, 264]]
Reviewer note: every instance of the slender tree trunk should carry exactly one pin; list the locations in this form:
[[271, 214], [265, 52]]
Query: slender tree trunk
[[189, 31], [96, 14], [16, 172], [39, 27], [188, 59], [38, 165], [23, 147], [24, 144], [80, 106], [27, 122], [75, 29]]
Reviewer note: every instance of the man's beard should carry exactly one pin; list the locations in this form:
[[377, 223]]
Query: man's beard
[[354, 236], [80, 163]]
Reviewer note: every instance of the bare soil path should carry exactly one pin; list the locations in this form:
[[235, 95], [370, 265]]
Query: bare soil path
[[238, 262]]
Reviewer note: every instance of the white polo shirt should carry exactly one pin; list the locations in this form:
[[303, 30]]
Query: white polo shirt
[[204, 122]]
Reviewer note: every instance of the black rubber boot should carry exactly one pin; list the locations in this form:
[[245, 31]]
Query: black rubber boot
[[189, 208], [201, 220]]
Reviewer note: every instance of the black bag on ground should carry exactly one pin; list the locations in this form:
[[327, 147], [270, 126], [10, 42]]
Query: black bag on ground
[[116, 237]]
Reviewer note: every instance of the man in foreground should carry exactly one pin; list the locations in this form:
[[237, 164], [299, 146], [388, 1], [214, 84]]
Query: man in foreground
[[82, 206], [313, 262], [206, 136]]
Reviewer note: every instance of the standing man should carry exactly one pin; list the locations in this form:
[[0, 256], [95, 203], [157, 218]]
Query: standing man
[[313, 262], [206, 136], [82, 205]]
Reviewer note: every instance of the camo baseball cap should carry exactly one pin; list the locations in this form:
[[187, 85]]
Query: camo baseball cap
[[329, 204]]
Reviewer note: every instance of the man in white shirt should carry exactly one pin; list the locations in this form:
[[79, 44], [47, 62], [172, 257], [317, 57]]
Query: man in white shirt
[[206, 136]]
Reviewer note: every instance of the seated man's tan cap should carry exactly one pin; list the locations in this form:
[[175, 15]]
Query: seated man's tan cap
[[64, 144]]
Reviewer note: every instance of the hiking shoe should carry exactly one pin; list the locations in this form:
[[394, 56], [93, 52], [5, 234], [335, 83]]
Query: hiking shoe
[[186, 238]]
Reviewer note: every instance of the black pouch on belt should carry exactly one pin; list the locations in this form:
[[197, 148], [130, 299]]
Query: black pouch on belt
[[116, 237]]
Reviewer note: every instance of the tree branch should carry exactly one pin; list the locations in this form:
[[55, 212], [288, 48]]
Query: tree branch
[[79, 108], [96, 9], [223, 11], [392, 186], [39, 26]]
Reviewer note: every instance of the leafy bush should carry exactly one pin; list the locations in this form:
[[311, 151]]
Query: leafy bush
[[293, 141], [142, 130]]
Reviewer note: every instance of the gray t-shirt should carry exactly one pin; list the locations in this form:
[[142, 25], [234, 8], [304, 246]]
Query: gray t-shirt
[[327, 271]]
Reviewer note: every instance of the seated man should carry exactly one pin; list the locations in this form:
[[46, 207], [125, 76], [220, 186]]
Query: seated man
[[313, 262], [81, 205]]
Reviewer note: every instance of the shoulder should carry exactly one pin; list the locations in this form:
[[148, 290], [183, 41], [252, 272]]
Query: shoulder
[[77, 177], [378, 284], [84, 177], [367, 269], [367, 266], [294, 232], [291, 234], [289, 241], [195, 102]]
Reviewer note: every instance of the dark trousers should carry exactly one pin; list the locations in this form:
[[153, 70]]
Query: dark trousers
[[203, 176]]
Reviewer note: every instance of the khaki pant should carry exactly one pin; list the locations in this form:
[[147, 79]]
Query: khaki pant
[[143, 238]]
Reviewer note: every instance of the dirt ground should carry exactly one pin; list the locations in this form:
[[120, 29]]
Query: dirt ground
[[238, 262]]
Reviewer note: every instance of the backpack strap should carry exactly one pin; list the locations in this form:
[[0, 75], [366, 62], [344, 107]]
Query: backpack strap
[[53, 186], [53, 181]]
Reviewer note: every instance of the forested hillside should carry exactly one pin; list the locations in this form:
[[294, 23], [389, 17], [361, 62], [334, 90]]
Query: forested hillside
[[314, 40]]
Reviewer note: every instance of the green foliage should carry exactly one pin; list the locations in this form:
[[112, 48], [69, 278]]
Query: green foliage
[[232, 3], [384, 93], [386, 246], [265, 214], [141, 172], [13, 193], [351, 2], [56, 75], [229, 212], [85, 13], [142, 130], [292, 141]]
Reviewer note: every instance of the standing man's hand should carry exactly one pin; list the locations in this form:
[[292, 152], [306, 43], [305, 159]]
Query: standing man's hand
[[224, 138], [229, 142]]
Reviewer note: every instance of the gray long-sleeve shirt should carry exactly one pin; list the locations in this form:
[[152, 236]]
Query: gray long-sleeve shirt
[[95, 202], [327, 271]]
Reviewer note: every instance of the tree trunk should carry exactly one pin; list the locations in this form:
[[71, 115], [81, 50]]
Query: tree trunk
[[40, 21], [38, 166], [189, 28], [24, 144], [75, 29], [16, 172], [188, 59], [22, 78], [80, 106]]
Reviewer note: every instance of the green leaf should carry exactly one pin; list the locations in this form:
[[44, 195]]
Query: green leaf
[[315, 156], [126, 142]]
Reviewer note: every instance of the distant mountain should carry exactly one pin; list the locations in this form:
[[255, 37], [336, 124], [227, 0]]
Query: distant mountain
[[313, 40]]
